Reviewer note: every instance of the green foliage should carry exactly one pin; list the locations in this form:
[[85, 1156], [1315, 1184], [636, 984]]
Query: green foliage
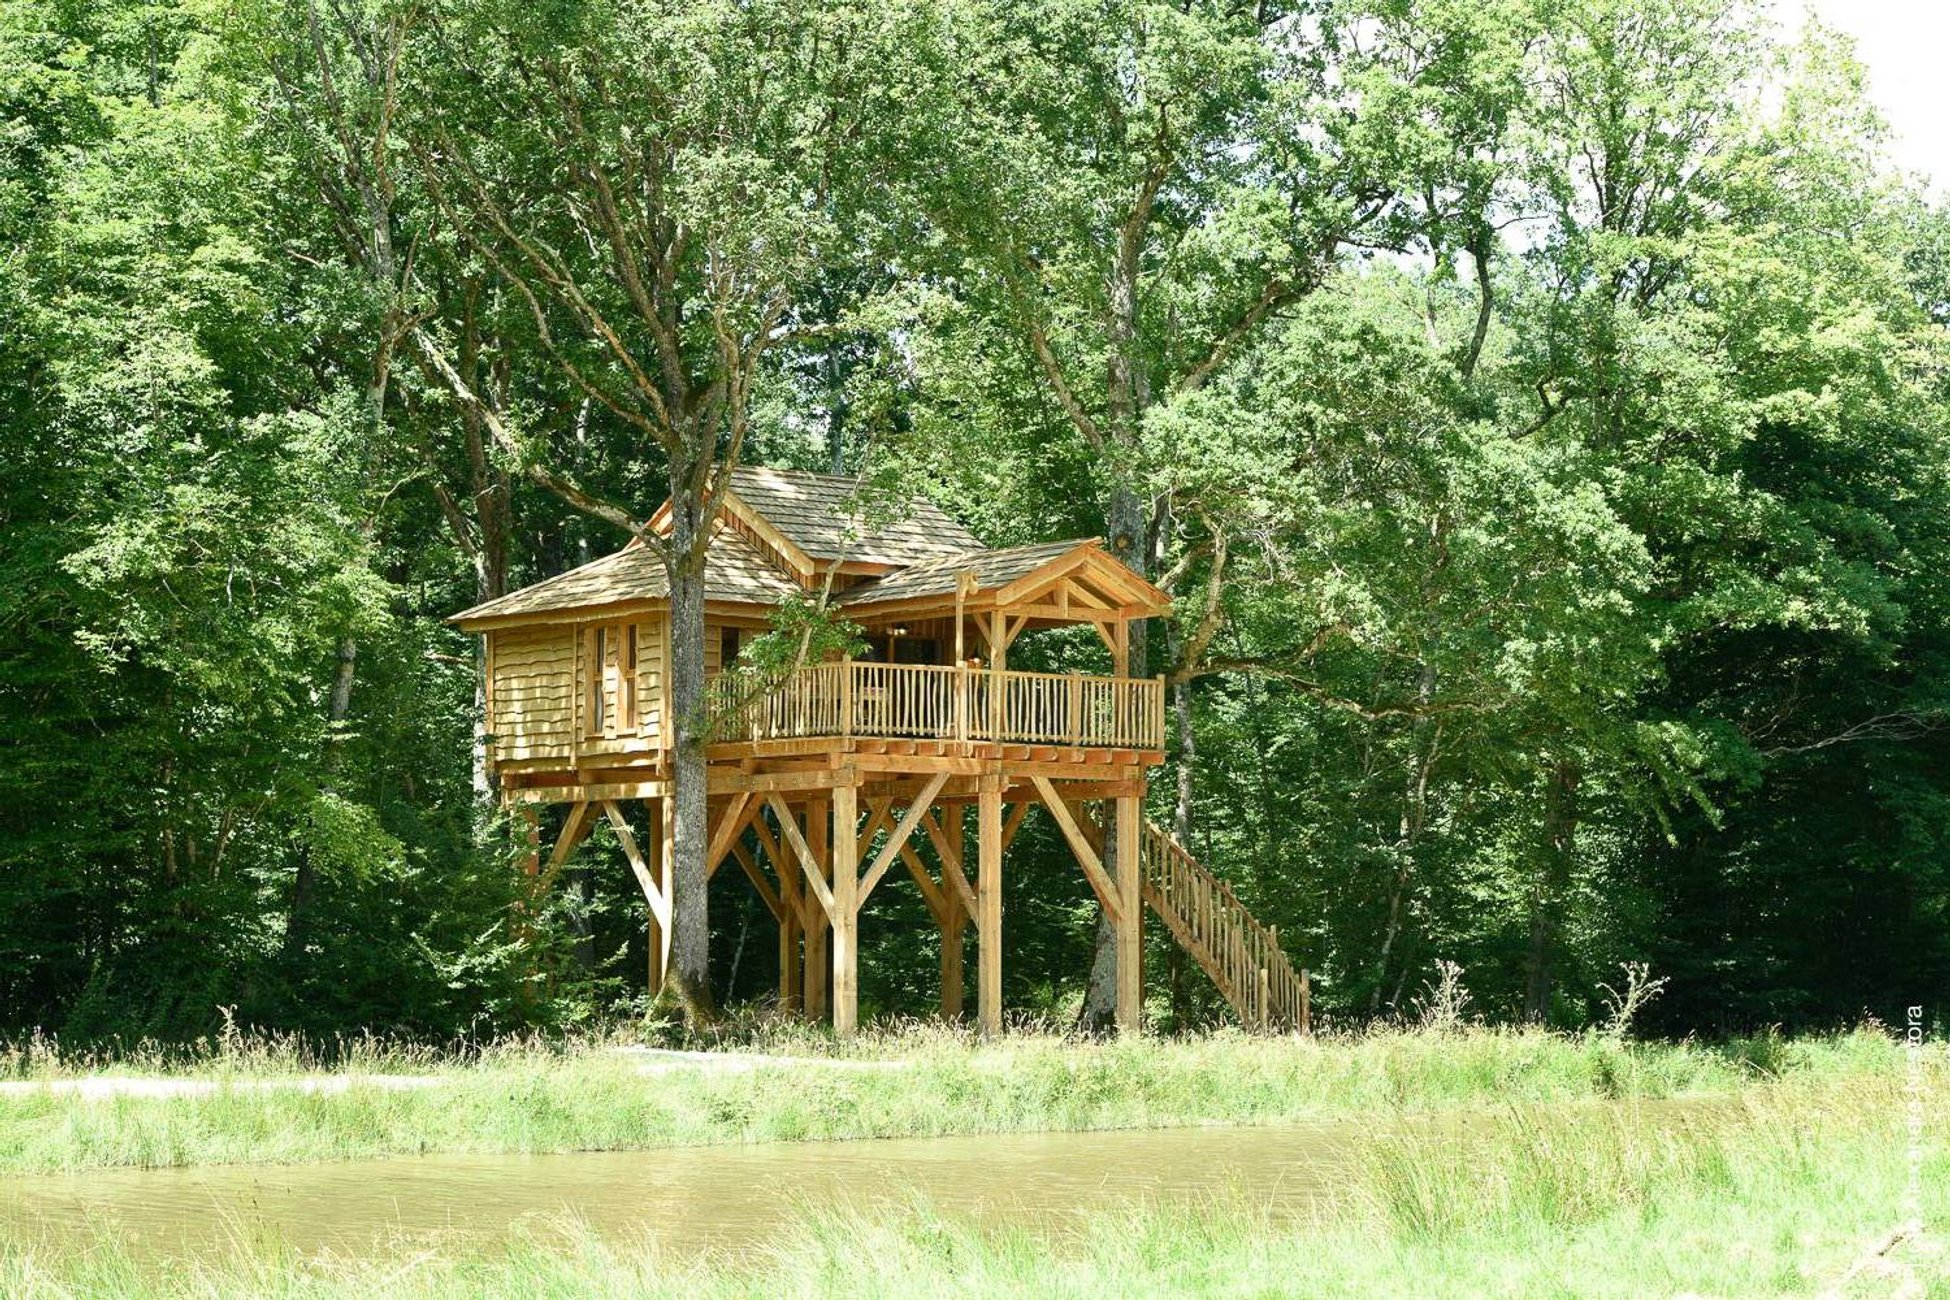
[[1537, 413], [804, 630]]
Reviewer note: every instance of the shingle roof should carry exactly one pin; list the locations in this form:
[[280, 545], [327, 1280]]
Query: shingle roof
[[816, 512], [938, 577], [734, 570]]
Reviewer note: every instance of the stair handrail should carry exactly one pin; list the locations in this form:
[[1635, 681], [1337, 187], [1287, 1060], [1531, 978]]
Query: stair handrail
[[1242, 956]]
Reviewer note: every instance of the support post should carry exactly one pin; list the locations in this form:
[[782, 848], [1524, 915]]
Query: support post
[[819, 841], [988, 896], [792, 889], [846, 910], [954, 921], [531, 822], [1130, 919], [660, 870]]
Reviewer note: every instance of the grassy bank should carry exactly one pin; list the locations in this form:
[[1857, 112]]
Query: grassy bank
[[531, 1097], [1793, 1188]]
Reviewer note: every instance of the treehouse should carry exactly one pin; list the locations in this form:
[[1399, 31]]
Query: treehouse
[[824, 779]]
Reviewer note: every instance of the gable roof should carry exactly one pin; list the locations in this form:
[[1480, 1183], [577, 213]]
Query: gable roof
[[816, 512], [734, 570], [778, 523], [939, 577], [1012, 573]]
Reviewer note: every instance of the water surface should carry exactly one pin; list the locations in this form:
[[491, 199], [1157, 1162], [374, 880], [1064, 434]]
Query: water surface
[[688, 1200]]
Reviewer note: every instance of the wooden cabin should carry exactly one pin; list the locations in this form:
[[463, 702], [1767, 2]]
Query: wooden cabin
[[823, 782]]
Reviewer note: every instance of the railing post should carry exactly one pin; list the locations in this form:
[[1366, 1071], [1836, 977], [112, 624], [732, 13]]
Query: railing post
[[961, 701], [846, 698]]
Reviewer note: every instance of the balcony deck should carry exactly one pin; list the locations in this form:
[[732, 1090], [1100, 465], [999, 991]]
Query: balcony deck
[[851, 700]]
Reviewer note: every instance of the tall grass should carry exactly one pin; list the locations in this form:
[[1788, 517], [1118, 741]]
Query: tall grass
[[535, 1096], [1787, 1190]]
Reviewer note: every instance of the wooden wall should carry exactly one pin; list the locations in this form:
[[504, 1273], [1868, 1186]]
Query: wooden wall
[[549, 697], [531, 692]]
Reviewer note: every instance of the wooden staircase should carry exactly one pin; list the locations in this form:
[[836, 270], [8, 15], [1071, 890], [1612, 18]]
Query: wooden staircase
[[1242, 956]]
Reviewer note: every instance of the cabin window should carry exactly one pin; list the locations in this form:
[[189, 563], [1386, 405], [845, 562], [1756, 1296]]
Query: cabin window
[[626, 687], [596, 639], [727, 647]]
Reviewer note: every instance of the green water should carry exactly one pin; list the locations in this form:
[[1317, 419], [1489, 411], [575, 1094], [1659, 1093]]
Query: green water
[[698, 1199]]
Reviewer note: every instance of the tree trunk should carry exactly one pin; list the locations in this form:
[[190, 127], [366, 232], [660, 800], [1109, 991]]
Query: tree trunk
[[1408, 835], [1125, 517], [687, 979], [338, 704], [1550, 884]]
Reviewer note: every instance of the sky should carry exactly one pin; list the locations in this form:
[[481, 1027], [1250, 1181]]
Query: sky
[[1904, 44]]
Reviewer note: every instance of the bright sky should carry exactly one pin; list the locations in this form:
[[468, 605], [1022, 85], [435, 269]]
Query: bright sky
[[1904, 43]]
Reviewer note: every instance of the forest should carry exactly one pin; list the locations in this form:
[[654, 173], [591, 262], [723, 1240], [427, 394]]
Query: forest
[[1536, 410]]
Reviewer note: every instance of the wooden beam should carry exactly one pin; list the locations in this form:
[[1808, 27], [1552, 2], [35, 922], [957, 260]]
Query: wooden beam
[[659, 900], [1093, 867], [1014, 824], [756, 875], [819, 923], [782, 782], [792, 923], [845, 911], [880, 811], [923, 763], [531, 834], [1041, 579], [789, 825], [574, 829], [924, 881], [663, 860], [740, 810], [1130, 920], [589, 793], [988, 911], [951, 859], [915, 811], [956, 924]]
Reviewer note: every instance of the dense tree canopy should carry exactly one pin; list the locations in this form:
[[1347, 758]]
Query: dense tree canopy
[[1537, 410]]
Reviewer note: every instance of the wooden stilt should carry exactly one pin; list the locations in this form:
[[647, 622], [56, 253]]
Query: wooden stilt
[[791, 894], [954, 923], [988, 894], [817, 962], [1130, 917], [846, 911], [662, 865], [531, 817]]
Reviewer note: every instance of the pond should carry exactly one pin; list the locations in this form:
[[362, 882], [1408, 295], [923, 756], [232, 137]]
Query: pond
[[686, 1200]]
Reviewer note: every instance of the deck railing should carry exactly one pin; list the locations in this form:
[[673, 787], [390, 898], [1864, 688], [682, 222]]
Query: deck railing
[[925, 702]]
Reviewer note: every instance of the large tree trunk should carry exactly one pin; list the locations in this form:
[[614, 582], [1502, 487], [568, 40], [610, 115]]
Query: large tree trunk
[[1550, 884], [338, 705], [687, 979], [1408, 835], [1125, 516]]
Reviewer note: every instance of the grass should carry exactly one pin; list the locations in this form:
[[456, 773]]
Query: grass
[[534, 1096], [1790, 1188]]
